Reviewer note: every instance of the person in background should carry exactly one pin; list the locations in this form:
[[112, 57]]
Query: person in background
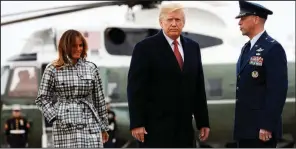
[[79, 116], [262, 82], [17, 129], [166, 87], [111, 143]]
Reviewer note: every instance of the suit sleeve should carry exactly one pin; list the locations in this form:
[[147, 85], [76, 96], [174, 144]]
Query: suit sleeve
[[201, 108], [137, 86], [7, 128], [276, 85], [44, 100], [7, 131]]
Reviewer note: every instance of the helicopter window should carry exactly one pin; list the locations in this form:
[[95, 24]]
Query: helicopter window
[[121, 41], [215, 87], [24, 82], [4, 79], [38, 41], [117, 83]]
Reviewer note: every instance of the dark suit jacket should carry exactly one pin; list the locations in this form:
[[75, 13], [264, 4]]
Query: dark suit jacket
[[161, 97], [261, 90]]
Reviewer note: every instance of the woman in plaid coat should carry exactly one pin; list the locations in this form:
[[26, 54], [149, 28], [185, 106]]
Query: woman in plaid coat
[[79, 116]]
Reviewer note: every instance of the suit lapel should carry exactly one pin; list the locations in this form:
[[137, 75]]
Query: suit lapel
[[168, 52], [186, 52], [239, 60], [251, 53]]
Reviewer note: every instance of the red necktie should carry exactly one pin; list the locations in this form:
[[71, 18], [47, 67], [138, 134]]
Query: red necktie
[[178, 54]]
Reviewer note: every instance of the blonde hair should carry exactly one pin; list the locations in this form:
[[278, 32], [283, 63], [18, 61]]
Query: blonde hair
[[170, 7]]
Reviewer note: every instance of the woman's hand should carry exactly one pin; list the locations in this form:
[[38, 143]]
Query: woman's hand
[[105, 136]]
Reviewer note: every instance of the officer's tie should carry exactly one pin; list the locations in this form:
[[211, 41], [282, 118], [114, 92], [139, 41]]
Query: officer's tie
[[245, 52], [178, 54]]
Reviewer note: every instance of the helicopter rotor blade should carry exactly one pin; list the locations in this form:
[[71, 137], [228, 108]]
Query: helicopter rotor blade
[[80, 8], [46, 9]]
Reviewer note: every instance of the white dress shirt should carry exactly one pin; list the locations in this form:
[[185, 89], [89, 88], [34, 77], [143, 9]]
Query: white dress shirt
[[255, 38], [171, 43]]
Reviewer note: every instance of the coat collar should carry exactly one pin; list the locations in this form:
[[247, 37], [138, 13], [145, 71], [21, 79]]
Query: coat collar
[[257, 45]]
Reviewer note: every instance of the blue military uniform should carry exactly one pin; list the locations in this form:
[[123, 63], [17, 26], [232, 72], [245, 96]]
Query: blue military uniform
[[262, 83]]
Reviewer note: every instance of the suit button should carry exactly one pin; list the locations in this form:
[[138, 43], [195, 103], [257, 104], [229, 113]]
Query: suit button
[[239, 76], [236, 88]]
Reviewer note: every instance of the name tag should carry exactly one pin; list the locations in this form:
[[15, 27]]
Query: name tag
[[256, 60]]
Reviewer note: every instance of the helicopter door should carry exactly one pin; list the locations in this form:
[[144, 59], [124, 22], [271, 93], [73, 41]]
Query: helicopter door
[[4, 79]]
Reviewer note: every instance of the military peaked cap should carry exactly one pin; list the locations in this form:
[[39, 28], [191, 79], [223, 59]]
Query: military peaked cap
[[249, 8]]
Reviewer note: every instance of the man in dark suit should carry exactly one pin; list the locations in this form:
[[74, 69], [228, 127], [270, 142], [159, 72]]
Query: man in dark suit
[[262, 82], [166, 86]]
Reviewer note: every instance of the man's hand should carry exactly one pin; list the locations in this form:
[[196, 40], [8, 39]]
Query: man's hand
[[138, 133], [105, 136], [264, 135], [204, 133]]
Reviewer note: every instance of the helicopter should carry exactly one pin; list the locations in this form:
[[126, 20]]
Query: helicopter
[[110, 47]]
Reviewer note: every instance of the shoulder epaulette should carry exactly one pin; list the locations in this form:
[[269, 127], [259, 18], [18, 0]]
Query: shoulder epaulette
[[92, 63], [271, 40]]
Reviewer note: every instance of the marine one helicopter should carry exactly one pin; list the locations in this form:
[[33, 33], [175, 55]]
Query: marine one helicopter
[[110, 47]]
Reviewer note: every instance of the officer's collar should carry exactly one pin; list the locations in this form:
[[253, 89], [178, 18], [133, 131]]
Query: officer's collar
[[255, 38]]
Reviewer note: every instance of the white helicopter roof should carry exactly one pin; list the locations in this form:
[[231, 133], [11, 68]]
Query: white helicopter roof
[[201, 18]]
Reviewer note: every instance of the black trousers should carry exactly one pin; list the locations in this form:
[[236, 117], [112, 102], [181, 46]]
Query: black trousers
[[18, 145], [256, 143], [181, 140]]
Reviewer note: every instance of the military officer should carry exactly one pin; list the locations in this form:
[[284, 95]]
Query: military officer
[[16, 129], [262, 81], [112, 126]]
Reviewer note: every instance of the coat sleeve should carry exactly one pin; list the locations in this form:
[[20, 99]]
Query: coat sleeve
[[137, 86], [99, 100], [276, 85], [44, 100], [201, 108]]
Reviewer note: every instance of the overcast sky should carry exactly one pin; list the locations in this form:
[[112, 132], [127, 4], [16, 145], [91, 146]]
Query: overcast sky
[[281, 25]]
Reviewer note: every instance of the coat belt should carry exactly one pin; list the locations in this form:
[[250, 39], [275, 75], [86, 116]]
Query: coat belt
[[76, 99], [86, 100]]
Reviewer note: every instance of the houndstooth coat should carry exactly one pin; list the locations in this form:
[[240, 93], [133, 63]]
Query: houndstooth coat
[[79, 115]]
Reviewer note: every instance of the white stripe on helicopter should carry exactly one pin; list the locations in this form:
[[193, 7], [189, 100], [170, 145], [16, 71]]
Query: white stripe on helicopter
[[124, 104]]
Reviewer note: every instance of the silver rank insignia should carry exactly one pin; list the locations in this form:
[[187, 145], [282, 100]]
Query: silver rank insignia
[[258, 54], [259, 50], [255, 74], [21, 122]]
